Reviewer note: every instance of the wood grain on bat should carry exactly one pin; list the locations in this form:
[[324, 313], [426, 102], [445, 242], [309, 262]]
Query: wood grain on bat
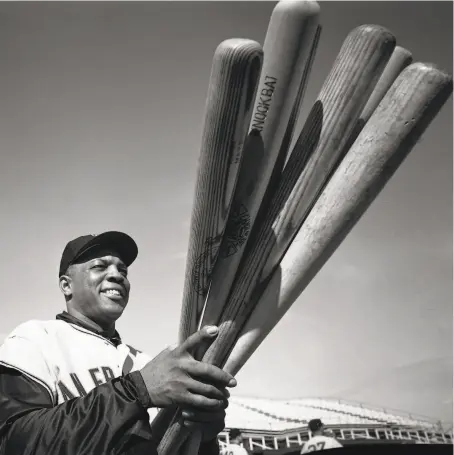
[[287, 47], [232, 88], [358, 66], [289, 50], [360, 62], [399, 60], [289, 133], [394, 128]]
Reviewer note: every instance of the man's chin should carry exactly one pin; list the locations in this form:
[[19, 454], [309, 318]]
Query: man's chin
[[113, 307]]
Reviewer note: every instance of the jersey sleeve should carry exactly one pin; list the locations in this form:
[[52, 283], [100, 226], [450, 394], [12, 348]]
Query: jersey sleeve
[[22, 351], [110, 419]]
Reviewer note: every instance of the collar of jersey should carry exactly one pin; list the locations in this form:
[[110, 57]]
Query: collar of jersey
[[66, 317]]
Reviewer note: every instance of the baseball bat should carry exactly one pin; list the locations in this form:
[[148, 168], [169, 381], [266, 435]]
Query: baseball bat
[[288, 54], [360, 62], [405, 112], [233, 84], [399, 60], [287, 50], [283, 153]]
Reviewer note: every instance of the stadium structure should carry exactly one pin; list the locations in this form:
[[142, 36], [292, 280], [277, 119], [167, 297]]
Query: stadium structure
[[280, 426]]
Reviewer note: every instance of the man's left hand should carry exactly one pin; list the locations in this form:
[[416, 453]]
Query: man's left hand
[[209, 423]]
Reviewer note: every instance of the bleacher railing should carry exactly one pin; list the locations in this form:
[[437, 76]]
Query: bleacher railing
[[277, 440]]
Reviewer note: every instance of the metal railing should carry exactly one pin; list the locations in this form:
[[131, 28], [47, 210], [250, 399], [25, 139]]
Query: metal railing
[[275, 440]]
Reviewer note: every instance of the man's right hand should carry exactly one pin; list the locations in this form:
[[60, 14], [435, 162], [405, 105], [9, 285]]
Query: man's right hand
[[174, 377]]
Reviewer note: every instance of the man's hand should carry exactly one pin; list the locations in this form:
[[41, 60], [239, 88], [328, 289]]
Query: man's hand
[[209, 423], [174, 377]]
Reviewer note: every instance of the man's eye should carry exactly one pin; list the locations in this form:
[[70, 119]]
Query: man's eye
[[98, 266]]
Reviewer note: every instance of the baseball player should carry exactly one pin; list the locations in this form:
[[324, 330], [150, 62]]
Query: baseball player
[[319, 440], [72, 386], [235, 446]]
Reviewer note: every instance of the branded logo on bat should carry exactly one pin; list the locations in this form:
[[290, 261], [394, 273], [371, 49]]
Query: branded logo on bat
[[236, 233]]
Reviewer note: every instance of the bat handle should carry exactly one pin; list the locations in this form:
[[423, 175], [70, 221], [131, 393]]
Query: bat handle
[[161, 422], [174, 437], [192, 444]]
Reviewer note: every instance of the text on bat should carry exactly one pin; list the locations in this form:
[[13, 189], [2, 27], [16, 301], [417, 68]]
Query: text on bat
[[264, 103]]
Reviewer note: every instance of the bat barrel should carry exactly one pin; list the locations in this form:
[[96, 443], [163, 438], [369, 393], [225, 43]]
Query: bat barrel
[[405, 112], [357, 68], [289, 49], [399, 60], [233, 82], [260, 233]]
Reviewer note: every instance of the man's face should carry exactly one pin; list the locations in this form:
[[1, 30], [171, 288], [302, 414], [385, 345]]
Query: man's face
[[99, 286]]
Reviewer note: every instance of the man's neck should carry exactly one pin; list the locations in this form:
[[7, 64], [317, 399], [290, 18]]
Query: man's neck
[[109, 331]]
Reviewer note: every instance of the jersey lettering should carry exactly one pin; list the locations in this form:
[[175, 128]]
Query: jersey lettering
[[316, 446], [95, 374]]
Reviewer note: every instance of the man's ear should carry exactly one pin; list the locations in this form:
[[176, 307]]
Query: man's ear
[[65, 286]]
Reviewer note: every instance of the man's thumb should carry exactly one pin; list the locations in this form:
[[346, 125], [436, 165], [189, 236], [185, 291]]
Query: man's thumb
[[203, 335], [211, 330]]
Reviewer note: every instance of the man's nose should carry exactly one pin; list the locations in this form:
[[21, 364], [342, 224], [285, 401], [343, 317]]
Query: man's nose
[[114, 274]]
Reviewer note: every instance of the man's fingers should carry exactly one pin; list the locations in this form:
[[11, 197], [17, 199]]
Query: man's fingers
[[195, 401], [207, 390], [207, 334], [202, 416], [209, 423], [218, 426], [211, 374]]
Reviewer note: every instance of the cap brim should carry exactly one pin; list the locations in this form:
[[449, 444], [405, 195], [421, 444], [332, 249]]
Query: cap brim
[[120, 242]]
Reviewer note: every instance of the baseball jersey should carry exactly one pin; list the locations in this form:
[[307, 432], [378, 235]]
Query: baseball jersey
[[67, 359], [233, 449], [320, 443], [66, 389]]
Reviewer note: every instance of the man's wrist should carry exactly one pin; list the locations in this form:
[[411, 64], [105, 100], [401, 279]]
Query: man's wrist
[[142, 393]]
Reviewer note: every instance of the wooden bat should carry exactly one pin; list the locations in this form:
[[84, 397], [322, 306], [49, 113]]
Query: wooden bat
[[394, 128], [283, 153], [399, 60], [360, 62], [287, 52], [289, 49], [233, 84]]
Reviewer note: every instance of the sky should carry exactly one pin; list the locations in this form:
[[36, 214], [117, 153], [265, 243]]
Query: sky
[[101, 118]]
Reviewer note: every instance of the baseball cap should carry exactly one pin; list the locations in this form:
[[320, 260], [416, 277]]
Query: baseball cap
[[119, 241]]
